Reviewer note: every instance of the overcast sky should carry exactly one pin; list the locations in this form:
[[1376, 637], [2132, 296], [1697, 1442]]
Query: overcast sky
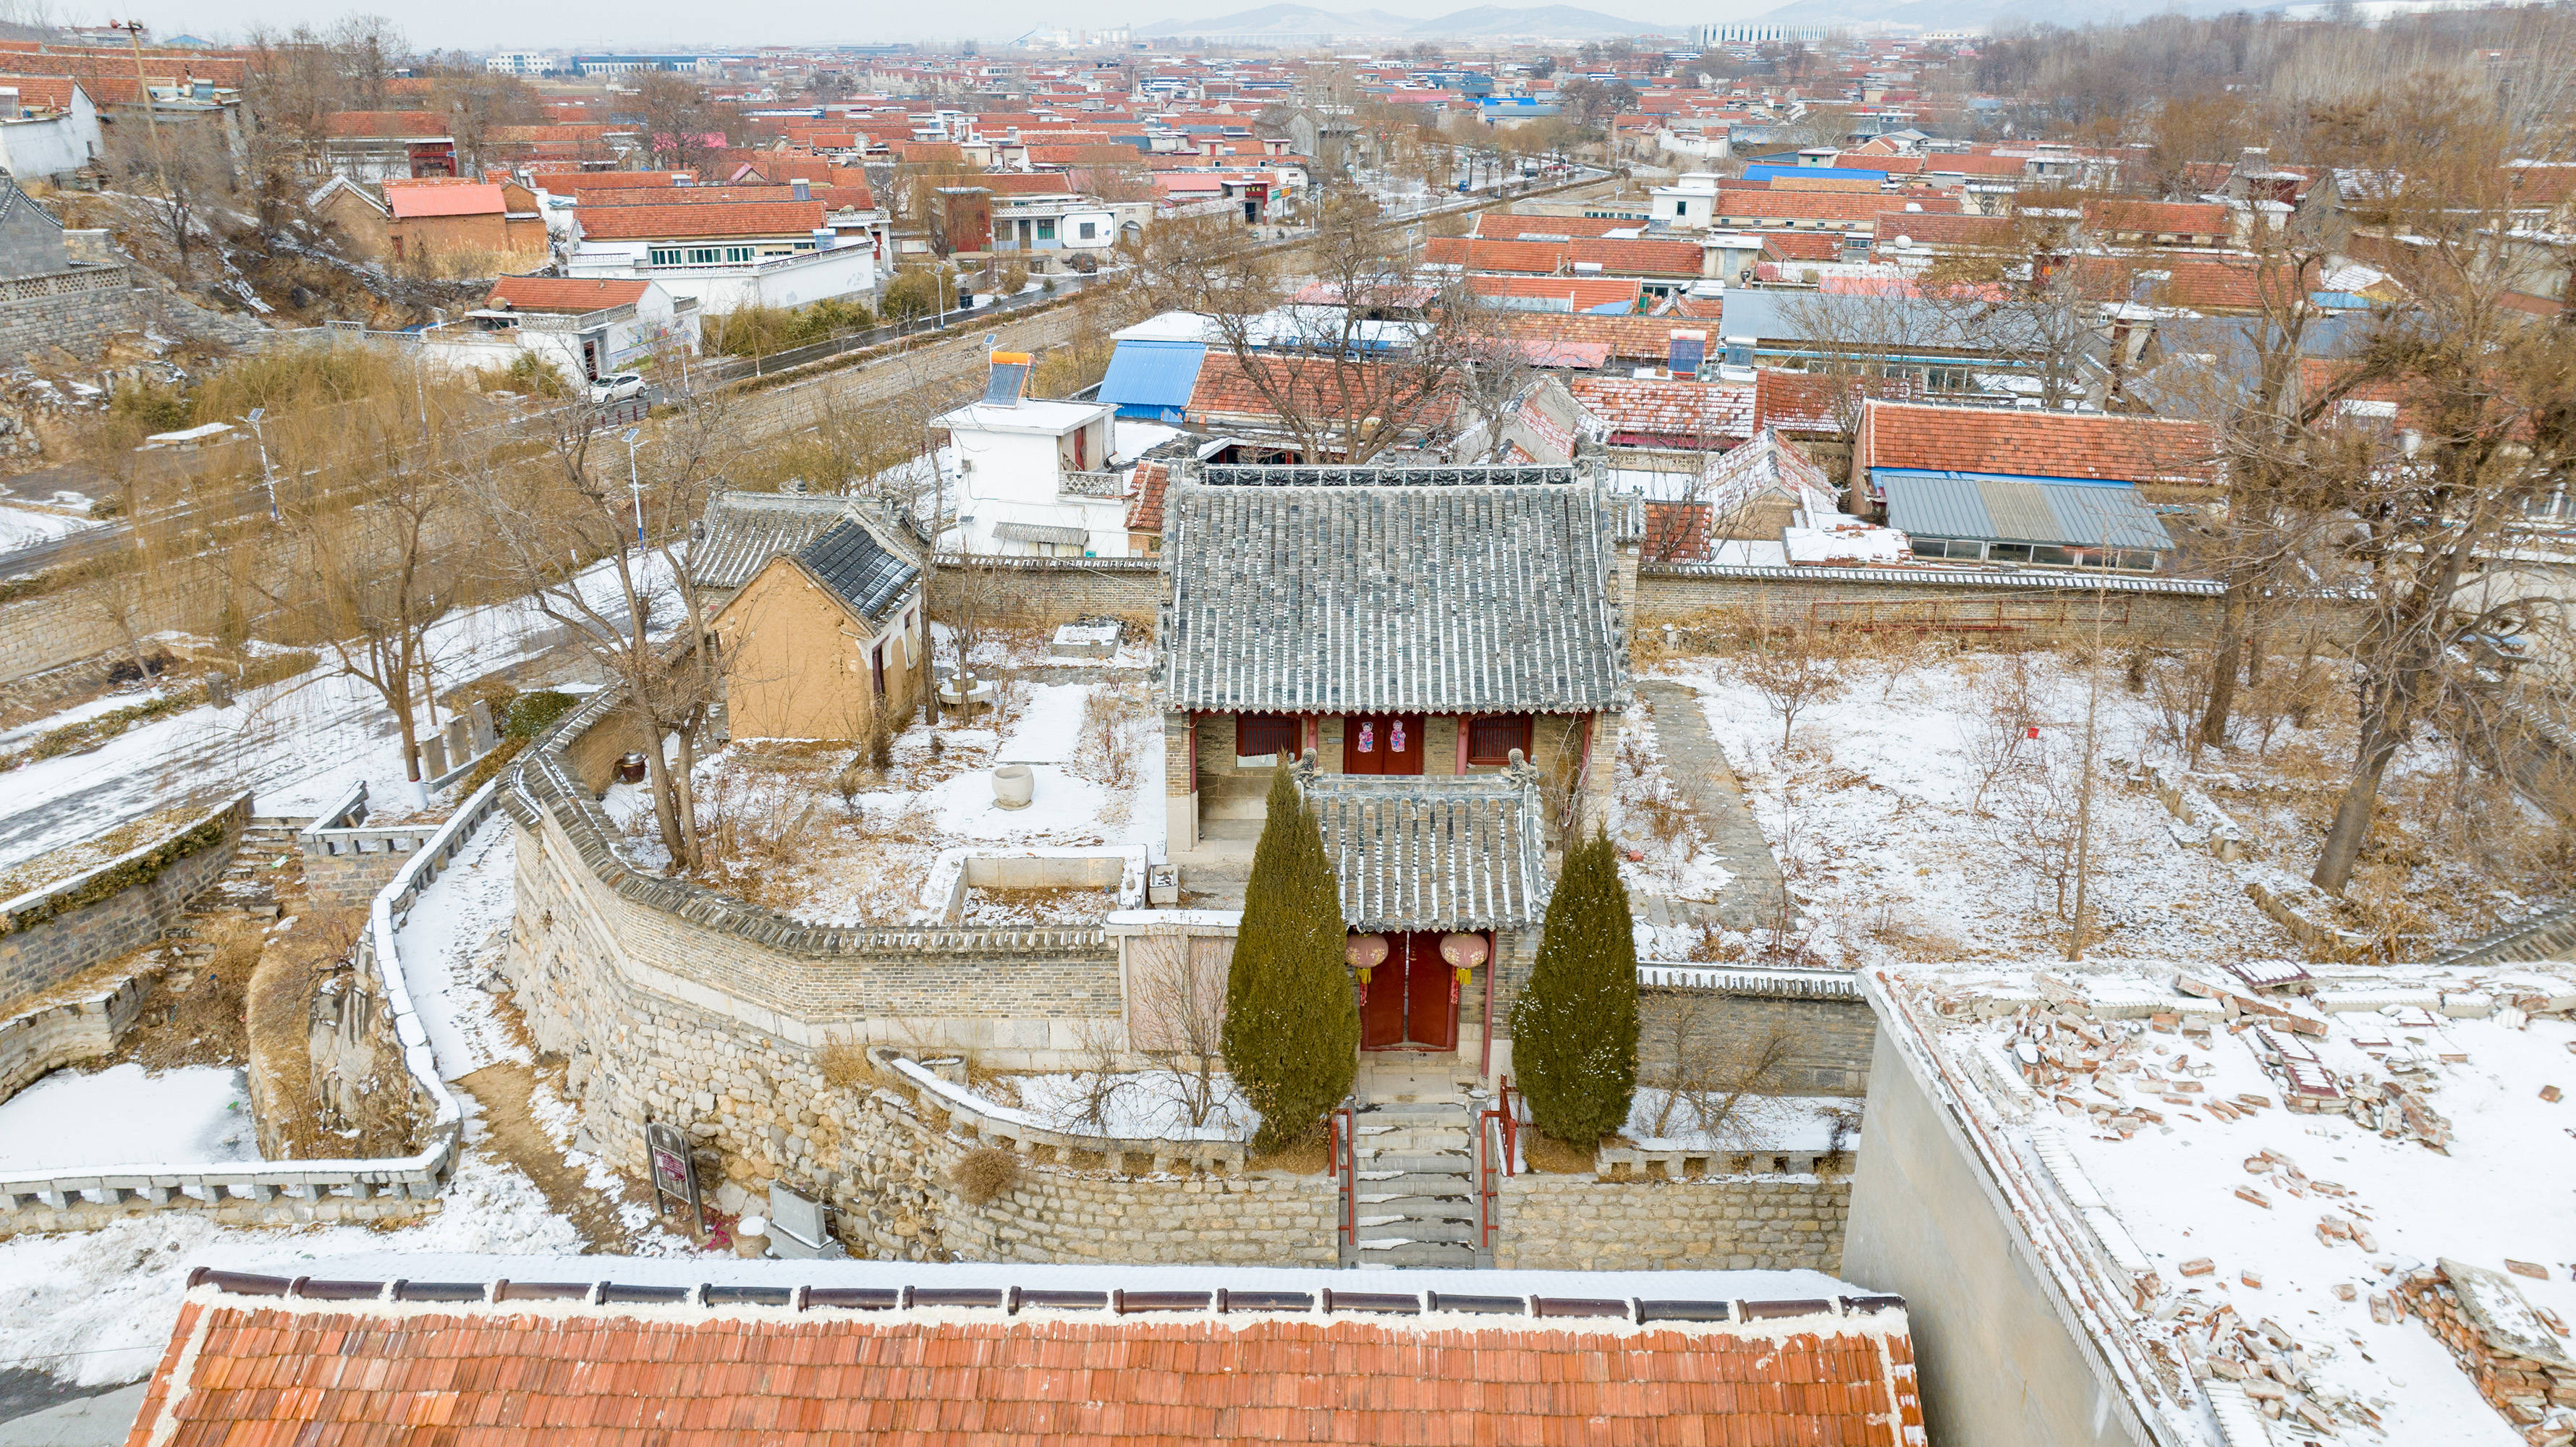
[[667, 24]]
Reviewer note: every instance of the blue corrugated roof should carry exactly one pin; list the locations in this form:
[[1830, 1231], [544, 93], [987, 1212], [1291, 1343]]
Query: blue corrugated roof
[[1835, 173], [2002, 509], [1149, 378]]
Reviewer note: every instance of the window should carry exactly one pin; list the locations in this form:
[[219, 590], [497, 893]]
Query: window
[[1046, 230], [1491, 739], [738, 253], [662, 256], [876, 667], [1088, 231], [705, 255], [1265, 735]]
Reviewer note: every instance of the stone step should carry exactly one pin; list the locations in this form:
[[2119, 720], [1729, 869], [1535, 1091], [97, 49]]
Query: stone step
[[1419, 1254], [1445, 1163], [1419, 1208], [1415, 1183], [1410, 1110], [1463, 1232], [1412, 1142]]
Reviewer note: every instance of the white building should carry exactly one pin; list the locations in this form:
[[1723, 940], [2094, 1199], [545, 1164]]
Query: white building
[[1032, 478], [48, 127], [726, 256], [519, 62], [582, 328]]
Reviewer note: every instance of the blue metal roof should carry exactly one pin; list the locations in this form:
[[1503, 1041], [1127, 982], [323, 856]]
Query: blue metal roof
[[1831, 173], [1149, 378], [2017, 510]]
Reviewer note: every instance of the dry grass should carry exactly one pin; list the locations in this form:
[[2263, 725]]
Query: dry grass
[[194, 1014], [1310, 1157], [1549, 1156], [984, 1174], [1066, 906], [846, 1066], [290, 971]]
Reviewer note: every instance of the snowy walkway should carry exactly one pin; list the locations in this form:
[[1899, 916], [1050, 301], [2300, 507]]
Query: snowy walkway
[[1716, 798]]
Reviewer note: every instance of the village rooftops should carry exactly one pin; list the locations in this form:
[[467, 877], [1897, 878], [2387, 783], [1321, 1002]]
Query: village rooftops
[[742, 531], [567, 295], [859, 568], [1051, 419], [2336, 1197], [1351, 589], [796, 1353]]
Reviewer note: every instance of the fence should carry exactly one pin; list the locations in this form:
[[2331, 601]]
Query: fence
[[416, 1177], [1016, 1131]]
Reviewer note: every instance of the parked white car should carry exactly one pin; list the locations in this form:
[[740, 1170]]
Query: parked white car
[[617, 387]]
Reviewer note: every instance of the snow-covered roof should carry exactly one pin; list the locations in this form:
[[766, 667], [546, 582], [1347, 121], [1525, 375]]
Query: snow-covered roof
[[2265, 1175]]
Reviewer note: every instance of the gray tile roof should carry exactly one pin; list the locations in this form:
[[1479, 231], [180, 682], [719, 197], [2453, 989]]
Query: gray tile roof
[[864, 572], [1457, 853], [1458, 597], [742, 531]]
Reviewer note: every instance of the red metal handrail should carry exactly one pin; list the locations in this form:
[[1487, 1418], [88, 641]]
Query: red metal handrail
[[1497, 1133], [1346, 1164]]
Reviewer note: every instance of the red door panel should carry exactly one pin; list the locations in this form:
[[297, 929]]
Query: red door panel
[[1382, 1013], [1430, 1020], [1382, 743]]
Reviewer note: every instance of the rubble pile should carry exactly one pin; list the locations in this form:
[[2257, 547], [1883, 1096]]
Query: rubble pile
[[2276, 1370], [2516, 1352]]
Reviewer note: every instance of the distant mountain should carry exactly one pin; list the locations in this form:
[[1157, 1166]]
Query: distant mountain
[[1555, 22], [1982, 14]]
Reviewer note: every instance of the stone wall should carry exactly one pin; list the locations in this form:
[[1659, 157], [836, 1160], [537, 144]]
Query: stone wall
[[1831, 1038], [78, 1213], [2032, 604], [1705, 1223], [64, 1033], [76, 311], [93, 917], [1043, 592]]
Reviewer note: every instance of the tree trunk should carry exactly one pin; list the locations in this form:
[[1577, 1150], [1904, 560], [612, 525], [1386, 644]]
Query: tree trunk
[[2353, 816], [2223, 669]]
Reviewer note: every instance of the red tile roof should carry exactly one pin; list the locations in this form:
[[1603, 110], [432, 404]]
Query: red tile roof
[[1498, 224], [252, 1372], [1530, 258], [572, 294], [564, 183], [443, 197], [1645, 339], [680, 221], [1818, 402], [1802, 245], [1619, 256], [1669, 412], [2036, 444], [1225, 389], [2156, 218], [1145, 514], [386, 125]]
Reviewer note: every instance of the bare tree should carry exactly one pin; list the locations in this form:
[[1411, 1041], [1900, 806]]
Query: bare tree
[[1177, 1021], [1793, 668], [576, 503]]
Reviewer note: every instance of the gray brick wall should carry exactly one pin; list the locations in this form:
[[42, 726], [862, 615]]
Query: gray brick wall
[[1831, 1038], [1712, 1223], [1684, 597]]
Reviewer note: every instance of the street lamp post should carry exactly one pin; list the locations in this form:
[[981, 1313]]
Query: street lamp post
[[267, 479], [636, 482]]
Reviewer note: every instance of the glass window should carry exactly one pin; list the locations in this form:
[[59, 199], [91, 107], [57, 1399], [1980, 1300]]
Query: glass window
[[705, 255], [1491, 739], [1046, 231], [1265, 735], [663, 256], [737, 253], [2008, 552]]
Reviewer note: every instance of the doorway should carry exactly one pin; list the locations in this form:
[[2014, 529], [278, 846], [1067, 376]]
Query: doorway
[[1382, 743], [1412, 1002]]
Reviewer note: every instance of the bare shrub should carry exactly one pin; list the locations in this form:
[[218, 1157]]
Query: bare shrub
[[1110, 714], [984, 1174], [2003, 707], [2036, 824], [846, 1066], [1178, 1015], [2178, 693], [1099, 1085], [1706, 1071], [1793, 669]]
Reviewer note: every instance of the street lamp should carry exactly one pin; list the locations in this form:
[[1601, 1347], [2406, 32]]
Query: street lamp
[[637, 483], [266, 479]]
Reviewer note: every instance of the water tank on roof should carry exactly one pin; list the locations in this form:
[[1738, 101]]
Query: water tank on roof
[[825, 238]]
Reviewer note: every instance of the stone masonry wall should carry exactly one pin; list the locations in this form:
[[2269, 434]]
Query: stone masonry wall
[[1831, 1038], [1043, 592], [1790, 597], [40, 948], [1706, 1223], [78, 317], [352, 880], [760, 1109]]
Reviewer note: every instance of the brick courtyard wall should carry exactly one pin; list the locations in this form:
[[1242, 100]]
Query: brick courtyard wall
[[1044, 592], [51, 935], [2033, 604], [74, 310], [1832, 1038], [1708, 1223]]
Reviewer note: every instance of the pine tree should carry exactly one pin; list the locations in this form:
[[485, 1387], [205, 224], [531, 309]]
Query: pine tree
[[1292, 1031], [1574, 1028]]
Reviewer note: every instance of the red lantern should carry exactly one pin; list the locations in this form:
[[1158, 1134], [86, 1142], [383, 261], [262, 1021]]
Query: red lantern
[[1464, 952], [1364, 953]]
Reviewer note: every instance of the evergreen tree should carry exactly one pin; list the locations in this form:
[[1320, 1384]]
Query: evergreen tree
[[1292, 1031], [1574, 1028]]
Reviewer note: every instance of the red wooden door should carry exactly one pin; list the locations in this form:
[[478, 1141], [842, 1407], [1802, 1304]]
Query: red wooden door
[[1382, 743], [1408, 1006], [1430, 1016]]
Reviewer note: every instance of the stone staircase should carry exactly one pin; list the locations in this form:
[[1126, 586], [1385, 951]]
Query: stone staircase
[[247, 889], [1416, 1184]]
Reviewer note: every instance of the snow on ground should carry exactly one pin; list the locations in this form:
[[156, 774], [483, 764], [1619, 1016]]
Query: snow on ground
[[785, 837], [304, 740], [1132, 1105], [1666, 849], [71, 1119], [95, 1307], [1756, 1122], [450, 941], [1895, 850], [24, 527]]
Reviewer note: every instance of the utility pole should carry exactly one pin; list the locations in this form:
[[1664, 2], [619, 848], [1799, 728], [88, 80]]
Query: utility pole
[[151, 121]]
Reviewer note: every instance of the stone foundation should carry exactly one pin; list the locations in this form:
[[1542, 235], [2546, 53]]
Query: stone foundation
[[77, 1214], [1708, 1223]]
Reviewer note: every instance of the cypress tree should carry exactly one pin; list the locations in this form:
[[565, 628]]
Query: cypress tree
[[1292, 1031], [1574, 1028]]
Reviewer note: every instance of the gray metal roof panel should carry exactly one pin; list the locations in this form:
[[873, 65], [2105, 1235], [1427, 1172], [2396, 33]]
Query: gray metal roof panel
[[1938, 507], [1040, 533], [2005, 510], [1457, 853], [1346, 599]]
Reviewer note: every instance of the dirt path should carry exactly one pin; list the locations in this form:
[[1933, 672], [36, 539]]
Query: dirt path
[[1715, 796], [511, 1133]]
